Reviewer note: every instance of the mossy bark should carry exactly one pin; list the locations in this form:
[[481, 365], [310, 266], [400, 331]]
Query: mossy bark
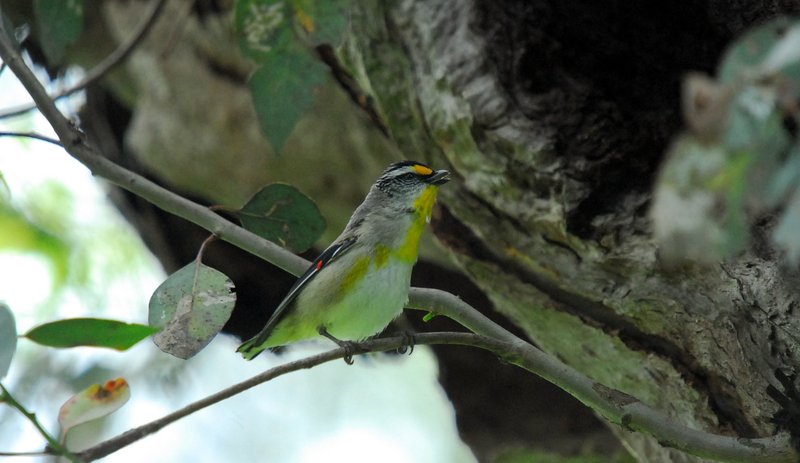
[[553, 118]]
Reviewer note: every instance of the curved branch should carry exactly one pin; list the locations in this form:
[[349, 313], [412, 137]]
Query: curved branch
[[102, 68], [616, 406]]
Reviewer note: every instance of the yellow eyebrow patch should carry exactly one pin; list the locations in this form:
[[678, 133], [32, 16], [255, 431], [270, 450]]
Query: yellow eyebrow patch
[[422, 170]]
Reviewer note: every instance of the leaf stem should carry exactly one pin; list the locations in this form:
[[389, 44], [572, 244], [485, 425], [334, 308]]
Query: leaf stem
[[52, 443]]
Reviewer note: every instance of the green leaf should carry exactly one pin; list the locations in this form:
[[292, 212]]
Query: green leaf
[[21, 234], [322, 21], [95, 332], [784, 56], [92, 403], [688, 202], [60, 23], [263, 26], [191, 306], [783, 179], [744, 58], [283, 214], [8, 339], [755, 125], [283, 89]]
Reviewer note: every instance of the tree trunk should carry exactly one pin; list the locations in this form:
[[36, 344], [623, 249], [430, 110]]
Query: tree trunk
[[553, 117]]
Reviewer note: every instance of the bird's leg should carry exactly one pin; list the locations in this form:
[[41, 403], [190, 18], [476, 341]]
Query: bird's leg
[[349, 347], [409, 340]]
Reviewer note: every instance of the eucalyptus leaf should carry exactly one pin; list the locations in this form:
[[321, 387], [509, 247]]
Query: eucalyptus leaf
[[8, 339], [92, 403], [284, 215], [283, 88], [96, 332], [191, 306]]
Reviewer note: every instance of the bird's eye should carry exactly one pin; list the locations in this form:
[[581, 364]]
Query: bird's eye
[[407, 176]]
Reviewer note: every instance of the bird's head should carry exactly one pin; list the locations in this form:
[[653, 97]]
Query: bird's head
[[410, 179]]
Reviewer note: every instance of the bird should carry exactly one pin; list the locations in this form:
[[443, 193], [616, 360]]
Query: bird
[[360, 283]]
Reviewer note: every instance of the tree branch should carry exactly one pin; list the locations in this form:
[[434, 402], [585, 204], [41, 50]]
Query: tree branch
[[104, 67], [33, 135], [616, 406]]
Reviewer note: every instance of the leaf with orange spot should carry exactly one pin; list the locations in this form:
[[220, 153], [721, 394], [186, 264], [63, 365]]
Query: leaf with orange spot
[[94, 402]]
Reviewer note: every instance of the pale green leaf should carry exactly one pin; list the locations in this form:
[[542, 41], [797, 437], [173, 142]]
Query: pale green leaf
[[191, 307], [8, 339], [94, 402]]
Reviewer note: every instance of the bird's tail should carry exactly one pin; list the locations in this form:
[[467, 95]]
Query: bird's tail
[[255, 345]]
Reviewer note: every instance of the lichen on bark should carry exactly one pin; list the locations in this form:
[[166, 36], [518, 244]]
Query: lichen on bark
[[555, 161]]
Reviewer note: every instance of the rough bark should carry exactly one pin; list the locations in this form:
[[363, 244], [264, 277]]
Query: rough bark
[[554, 117]]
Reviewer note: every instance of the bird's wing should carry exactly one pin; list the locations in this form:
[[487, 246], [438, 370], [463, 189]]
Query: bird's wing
[[333, 252]]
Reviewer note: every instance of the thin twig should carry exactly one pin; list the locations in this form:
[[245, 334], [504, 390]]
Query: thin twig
[[33, 135], [614, 405], [52, 442], [25, 454], [104, 67]]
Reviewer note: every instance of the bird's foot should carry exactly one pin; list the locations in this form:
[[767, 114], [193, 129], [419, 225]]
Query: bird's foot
[[350, 348], [409, 340]]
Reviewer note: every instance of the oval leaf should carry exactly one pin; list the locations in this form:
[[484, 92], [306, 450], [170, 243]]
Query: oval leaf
[[283, 214], [191, 306], [94, 402], [90, 332], [8, 339], [283, 88]]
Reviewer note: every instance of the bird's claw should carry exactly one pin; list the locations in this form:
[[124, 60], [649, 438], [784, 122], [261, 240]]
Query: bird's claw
[[409, 340]]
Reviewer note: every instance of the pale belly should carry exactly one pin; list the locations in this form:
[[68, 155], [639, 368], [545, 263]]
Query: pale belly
[[366, 309], [372, 304]]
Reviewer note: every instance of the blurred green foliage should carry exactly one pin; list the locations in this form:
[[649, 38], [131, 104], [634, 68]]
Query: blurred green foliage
[[739, 162], [280, 36], [23, 234], [59, 23]]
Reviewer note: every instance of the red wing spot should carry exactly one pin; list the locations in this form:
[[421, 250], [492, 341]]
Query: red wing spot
[[319, 265]]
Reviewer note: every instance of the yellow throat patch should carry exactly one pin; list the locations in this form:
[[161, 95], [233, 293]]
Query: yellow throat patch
[[424, 207]]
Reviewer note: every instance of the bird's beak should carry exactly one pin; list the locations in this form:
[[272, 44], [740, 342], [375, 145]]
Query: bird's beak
[[440, 177]]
